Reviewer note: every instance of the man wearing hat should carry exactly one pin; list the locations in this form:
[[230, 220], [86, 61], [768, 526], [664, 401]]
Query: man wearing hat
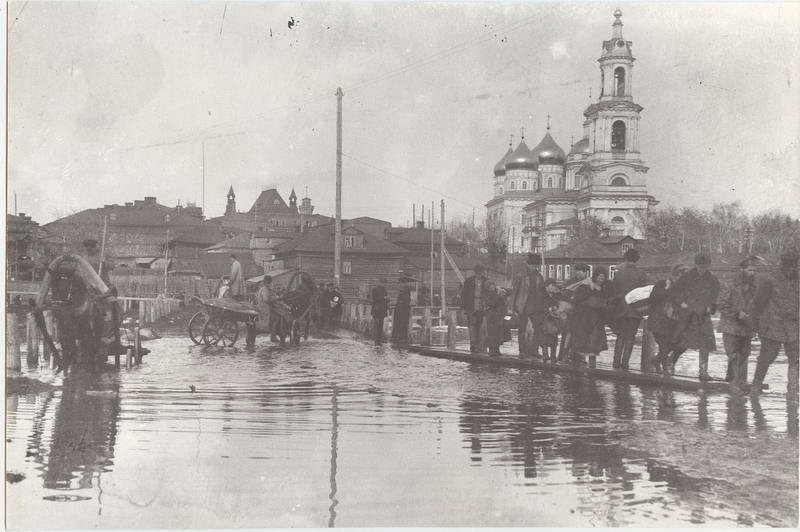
[[736, 321], [402, 311], [776, 309], [529, 302], [472, 300], [627, 319], [695, 300]]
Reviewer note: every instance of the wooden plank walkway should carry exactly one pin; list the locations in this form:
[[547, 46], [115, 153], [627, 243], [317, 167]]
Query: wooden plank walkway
[[603, 371]]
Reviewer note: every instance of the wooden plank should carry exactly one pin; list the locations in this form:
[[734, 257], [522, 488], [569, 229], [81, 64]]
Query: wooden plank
[[629, 376], [452, 321], [32, 340]]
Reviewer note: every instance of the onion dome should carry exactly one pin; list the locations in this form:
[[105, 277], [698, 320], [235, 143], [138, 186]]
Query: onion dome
[[548, 152], [521, 158], [500, 167], [581, 147]]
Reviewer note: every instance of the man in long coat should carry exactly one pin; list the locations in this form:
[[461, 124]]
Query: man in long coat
[[472, 301], [776, 308], [695, 300], [237, 290], [529, 302], [736, 321], [627, 320]]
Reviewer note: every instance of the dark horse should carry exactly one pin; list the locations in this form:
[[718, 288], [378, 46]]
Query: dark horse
[[86, 311]]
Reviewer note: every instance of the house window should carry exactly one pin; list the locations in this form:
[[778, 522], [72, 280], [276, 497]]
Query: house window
[[567, 271], [522, 242], [348, 241], [113, 216], [591, 269], [513, 185], [551, 271], [524, 185], [612, 271], [166, 218], [559, 272], [626, 247], [347, 267]]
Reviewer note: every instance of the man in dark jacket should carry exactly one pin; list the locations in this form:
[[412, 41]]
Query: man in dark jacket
[[472, 300], [380, 308], [627, 320], [529, 302], [736, 321], [695, 300], [335, 302], [776, 309]]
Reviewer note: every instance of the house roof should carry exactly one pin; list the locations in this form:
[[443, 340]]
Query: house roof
[[368, 219], [206, 234], [270, 201], [581, 249], [145, 213], [616, 239], [321, 240], [415, 235], [239, 242]]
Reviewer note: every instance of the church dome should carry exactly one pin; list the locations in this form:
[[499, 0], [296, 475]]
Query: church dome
[[581, 147], [521, 158], [548, 152], [500, 167]]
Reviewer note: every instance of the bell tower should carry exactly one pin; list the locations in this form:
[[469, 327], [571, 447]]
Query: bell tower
[[230, 208], [613, 121]]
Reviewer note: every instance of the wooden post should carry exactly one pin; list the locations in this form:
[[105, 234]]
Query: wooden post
[[410, 328], [129, 358], [452, 330], [32, 341], [426, 327], [141, 311], [13, 360], [137, 344], [648, 348]]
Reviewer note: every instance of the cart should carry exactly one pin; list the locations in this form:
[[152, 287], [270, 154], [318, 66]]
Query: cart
[[218, 323]]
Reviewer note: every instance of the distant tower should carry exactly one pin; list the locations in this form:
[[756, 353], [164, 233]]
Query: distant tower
[[293, 200], [306, 210], [230, 208]]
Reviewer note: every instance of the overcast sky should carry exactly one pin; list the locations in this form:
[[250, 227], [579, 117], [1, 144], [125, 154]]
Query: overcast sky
[[113, 101]]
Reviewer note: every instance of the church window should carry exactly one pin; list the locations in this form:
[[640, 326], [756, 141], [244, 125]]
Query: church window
[[524, 185], [618, 135], [617, 220], [618, 181], [549, 182], [567, 271], [513, 185], [619, 81], [559, 272]]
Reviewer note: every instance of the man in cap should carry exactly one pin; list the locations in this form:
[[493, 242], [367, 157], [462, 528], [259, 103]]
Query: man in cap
[[695, 299], [626, 320], [736, 321], [776, 309], [472, 300], [529, 302]]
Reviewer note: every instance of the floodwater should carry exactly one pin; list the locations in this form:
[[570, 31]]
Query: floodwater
[[343, 433]]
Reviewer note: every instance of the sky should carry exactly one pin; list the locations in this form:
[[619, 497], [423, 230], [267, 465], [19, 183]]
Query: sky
[[113, 101]]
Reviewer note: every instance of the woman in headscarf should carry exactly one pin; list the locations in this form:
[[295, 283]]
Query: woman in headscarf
[[588, 320]]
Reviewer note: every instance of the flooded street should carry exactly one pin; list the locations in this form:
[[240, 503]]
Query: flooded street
[[342, 433]]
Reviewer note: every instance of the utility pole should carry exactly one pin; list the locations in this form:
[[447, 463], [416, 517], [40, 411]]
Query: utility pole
[[204, 178], [430, 228], [337, 243], [166, 262], [441, 234]]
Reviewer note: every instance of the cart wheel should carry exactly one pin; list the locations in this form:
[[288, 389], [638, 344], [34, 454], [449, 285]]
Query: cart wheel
[[196, 325], [219, 331], [295, 332]]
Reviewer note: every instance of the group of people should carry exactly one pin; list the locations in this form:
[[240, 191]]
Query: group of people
[[381, 302], [679, 311]]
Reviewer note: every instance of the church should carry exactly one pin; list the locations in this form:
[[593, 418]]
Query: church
[[542, 195]]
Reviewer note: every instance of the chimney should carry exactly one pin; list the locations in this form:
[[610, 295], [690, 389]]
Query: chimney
[[129, 204], [420, 224], [150, 200]]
